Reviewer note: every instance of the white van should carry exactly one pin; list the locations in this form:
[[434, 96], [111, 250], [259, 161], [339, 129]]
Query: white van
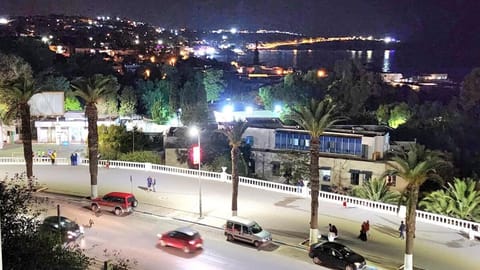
[[246, 230]]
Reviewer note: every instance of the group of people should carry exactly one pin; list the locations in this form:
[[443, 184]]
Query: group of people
[[74, 159], [364, 230], [151, 184]]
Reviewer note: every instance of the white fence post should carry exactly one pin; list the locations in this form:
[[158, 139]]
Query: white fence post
[[223, 175], [148, 166]]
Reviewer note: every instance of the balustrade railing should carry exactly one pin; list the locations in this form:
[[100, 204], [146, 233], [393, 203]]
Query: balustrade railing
[[453, 223]]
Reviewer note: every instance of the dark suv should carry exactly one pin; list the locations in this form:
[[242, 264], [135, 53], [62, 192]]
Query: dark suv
[[69, 230], [117, 202], [333, 254]]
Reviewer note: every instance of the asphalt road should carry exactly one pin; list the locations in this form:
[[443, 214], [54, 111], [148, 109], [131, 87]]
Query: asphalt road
[[133, 237], [286, 216]]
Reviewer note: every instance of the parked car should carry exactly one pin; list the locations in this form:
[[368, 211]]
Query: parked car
[[246, 230], [186, 239], [333, 254], [117, 202], [69, 229]]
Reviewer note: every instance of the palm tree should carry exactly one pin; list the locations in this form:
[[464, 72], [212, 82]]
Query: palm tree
[[376, 190], [415, 164], [91, 90], [315, 117], [459, 200], [16, 95], [234, 131]]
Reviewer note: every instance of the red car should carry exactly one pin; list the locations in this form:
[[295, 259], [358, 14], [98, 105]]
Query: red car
[[117, 202], [186, 239]]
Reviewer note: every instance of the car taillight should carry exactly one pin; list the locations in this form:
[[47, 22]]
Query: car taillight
[[191, 242]]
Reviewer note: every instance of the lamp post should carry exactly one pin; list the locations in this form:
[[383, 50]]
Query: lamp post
[[194, 131]]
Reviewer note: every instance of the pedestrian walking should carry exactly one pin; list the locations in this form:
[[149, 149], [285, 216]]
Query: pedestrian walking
[[367, 227], [363, 233], [401, 230], [53, 156], [75, 159], [332, 232], [149, 183], [154, 185], [72, 159], [90, 222]]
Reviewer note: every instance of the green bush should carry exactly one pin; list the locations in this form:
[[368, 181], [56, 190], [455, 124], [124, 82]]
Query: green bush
[[142, 156]]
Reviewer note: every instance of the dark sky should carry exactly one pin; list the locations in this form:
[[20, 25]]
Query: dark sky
[[399, 18]]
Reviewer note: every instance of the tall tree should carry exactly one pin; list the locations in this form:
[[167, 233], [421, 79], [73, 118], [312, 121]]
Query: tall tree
[[17, 94], [128, 102], [415, 164], [213, 83], [234, 131], [315, 117], [91, 90]]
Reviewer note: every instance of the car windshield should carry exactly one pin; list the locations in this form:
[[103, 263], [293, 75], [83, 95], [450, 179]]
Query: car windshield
[[256, 228], [345, 251]]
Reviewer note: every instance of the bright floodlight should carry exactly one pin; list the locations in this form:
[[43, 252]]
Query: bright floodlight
[[193, 131], [388, 40], [277, 108], [249, 110], [233, 30], [3, 21], [228, 108]]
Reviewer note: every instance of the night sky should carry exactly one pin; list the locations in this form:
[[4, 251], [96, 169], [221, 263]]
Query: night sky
[[403, 19]]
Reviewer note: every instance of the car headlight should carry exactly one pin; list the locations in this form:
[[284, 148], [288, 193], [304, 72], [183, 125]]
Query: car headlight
[[82, 229], [359, 265]]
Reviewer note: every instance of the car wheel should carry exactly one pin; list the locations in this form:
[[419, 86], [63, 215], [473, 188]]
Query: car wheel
[[186, 250], [317, 260], [349, 267], [229, 237], [118, 211], [94, 208], [256, 243], [162, 243]]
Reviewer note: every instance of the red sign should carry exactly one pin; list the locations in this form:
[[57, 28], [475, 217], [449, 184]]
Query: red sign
[[196, 155]]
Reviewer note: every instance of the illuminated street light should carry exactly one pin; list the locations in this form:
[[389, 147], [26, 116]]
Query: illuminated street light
[[194, 131], [321, 73]]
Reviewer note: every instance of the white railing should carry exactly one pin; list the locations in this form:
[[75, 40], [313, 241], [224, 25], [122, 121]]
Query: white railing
[[472, 228]]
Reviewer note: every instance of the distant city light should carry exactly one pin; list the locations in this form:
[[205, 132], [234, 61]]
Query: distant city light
[[322, 73], [90, 38], [233, 30], [224, 37], [159, 42], [388, 39], [45, 39], [137, 41], [3, 21]]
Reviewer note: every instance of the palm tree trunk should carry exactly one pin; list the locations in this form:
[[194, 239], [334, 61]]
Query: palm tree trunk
[[410, 221], [27, 139], [315, 189], [92, 117], [234, 154]]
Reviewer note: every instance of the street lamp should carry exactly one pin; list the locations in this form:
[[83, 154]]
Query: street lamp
[[194, 131]]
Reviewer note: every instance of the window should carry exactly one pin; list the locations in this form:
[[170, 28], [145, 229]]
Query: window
[[325, 174], [354, 177], [367, 176], [276, 168], [307, 142], [237, 228], [391, 180]]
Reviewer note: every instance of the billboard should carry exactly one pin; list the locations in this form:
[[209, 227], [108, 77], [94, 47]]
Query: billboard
[[49, 103]]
